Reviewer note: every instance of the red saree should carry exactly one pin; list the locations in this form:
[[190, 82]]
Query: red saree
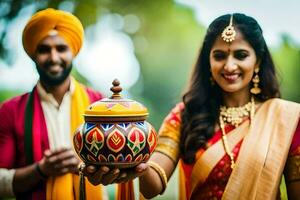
[[209, 178]]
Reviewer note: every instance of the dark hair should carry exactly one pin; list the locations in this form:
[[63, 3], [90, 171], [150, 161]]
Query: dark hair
[[203, 99]]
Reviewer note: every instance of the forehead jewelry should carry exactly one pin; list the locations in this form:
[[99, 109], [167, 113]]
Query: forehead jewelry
[[229, 33]]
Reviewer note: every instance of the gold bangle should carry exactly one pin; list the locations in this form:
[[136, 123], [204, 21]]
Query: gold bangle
[[161, 173]]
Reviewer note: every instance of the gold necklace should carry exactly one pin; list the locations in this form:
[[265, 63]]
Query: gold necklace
[[234, 116]]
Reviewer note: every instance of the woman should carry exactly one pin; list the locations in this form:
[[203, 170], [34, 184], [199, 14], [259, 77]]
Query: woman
[[231, 136]]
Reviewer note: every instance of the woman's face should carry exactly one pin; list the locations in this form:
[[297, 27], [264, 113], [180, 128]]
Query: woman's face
[[232, 64]]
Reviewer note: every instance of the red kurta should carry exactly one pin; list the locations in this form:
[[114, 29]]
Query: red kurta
[[12, 114]]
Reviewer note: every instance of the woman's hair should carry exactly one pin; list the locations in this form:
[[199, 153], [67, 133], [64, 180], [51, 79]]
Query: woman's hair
[[202, 98]]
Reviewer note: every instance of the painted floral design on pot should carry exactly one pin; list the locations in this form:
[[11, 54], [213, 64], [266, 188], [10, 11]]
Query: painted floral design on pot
[[115, 132]]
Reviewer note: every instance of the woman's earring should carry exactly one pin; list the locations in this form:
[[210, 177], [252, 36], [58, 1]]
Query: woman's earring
[[255, 90]]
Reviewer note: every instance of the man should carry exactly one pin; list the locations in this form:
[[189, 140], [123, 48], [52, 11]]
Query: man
[[37, 160]]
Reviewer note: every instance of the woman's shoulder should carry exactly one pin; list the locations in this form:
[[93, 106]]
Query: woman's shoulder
[[282, 105], [178, 108], [282, 102], [174, 116]]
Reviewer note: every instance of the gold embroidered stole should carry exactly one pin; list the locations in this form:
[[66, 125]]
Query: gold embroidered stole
[[214, 154], [262, 156]]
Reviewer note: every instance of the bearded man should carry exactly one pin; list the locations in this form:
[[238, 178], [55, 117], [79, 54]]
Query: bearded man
[[37, 160]]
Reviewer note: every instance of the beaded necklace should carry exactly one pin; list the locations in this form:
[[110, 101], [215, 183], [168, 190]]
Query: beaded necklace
[[234, 116]]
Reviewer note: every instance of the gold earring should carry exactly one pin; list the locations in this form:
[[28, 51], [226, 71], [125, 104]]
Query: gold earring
[[255, 90]]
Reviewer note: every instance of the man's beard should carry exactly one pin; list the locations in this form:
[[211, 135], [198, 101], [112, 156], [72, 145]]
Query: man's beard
[[52, 80]]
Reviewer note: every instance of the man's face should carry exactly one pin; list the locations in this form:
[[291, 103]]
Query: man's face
[[53, 59]]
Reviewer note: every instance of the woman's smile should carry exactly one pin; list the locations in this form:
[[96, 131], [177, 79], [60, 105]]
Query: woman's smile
[[231, 77]]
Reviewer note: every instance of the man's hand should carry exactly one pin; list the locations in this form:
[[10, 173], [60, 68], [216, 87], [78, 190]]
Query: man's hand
[[59, 162]]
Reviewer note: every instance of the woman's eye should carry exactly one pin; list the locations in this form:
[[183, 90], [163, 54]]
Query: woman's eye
[[219, 56], [240, 55]]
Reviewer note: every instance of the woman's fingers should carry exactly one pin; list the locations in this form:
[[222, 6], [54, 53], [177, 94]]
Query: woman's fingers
[[122, 178], [130, 174], [110, 177], [89, 169], [95, 174], [142, 167], [103, 175]]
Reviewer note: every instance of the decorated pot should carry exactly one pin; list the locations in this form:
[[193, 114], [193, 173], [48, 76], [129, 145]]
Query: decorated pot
[[115, 132]]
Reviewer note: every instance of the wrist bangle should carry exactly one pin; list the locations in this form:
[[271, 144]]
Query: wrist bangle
[[161, 173], [39, 171]]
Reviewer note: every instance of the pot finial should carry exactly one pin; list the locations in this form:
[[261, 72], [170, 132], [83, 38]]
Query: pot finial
[[116, 89]]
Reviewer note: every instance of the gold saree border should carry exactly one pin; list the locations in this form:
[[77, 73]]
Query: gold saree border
[[262, 156]]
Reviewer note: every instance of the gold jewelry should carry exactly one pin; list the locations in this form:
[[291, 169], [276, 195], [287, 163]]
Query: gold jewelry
[[229, 33], [235, 116], [225, 143], [161, 173], [255, 80]]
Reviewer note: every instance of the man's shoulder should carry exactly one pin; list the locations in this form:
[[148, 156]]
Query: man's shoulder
[[14, 102], [93, 94]]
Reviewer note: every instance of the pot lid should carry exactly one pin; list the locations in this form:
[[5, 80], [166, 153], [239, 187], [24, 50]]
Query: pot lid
[[116, 106]]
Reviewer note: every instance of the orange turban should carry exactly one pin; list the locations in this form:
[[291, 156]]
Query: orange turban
[[43, 22]]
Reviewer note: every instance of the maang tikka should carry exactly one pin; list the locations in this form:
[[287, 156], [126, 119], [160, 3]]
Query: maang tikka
[[229, 33]]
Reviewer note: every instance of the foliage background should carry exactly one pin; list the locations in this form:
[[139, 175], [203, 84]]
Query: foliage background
[[173, 38]]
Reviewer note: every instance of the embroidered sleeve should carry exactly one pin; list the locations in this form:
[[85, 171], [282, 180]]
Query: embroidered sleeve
[[292, 168], [169, 134]]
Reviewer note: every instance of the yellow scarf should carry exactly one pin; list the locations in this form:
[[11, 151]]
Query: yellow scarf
[[66, 187]]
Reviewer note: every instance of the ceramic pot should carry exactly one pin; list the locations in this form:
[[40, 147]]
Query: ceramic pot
[[115, 132]]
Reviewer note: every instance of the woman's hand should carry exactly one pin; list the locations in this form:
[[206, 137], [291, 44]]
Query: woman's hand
[[103, 175]]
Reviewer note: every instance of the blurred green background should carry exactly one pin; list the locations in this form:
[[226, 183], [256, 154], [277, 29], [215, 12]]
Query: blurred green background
[[165, 43]]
